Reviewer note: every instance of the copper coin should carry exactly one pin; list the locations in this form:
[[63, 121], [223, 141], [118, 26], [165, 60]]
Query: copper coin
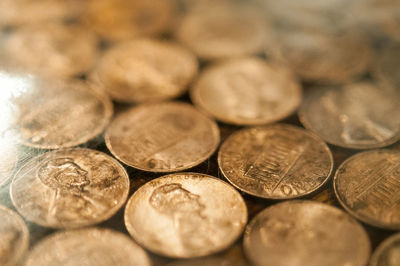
[[356, 116], [14, 237], [367, 185], [387, 67], [70, 188], [145, 70], [8, 160], [298, 233], [185, 215], [164, 137], [247, 91], [275, 162], [387, 253], [89, 247]]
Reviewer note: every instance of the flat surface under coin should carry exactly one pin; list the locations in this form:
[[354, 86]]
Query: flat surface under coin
[[185, 215], [164, 137], [387, 253], [275, 162], [247, 91], [70, 188], [299, 233], [89, 247], [368, 186]]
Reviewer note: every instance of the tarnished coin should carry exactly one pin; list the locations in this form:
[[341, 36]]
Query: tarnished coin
[[164, 137], [387, 67], [70, 188], [367, 185], [357, 116], [275, 162], [298, 233], [117, 20], [387, 253], [89, 247], [185, 215], [145, 70], [247, 91], [14, 237]]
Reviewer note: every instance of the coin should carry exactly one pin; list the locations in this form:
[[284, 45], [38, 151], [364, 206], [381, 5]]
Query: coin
[[275, 162], [69, 188], [163, 137], [297, 233], [185, 215], [387, 253], [8, 160], [387, 67], [89, 247], [367, 186], [145, 70], [14, 237], [247, 91], [356, 116]]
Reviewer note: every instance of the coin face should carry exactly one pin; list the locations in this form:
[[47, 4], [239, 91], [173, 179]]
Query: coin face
[[297, 233], [145, 70], [89, 247], [14, 237], [388, 65], [367, 185], [8, 160], [275, 162], [164, 137], [185, 215], [70, 188], [247, 91], [387, 253], [356, 116]]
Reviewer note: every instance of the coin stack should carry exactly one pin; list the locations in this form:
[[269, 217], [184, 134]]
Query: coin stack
[[199, 132]]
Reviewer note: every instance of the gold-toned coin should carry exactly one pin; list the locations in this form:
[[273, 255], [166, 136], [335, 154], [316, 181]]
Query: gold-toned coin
[[247, 91], [8, 160], [275, 162], [367, 185], [14, 237], [163, 137], [117, 20], [387, 67], [185, 215], [70, 188], [298, 233], [356, 116], [387, 253], [89, 247], [145, 70]]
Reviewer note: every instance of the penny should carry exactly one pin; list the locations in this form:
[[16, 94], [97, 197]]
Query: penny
[[185, 215], [247, 91], [387, 67], [89, 247], [356, 116], [145, 70], [69, 188], [8, 160], [163, 137], [297, 233], [275, 162], [387, 253], [14, 237], [367, 185]]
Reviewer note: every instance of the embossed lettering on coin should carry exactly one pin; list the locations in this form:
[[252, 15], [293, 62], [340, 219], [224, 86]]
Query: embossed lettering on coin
[[387, 253], [368, 186], [185, 215], [164, 137], [70, 188], [89, 247], [277, 162], [299, 233]]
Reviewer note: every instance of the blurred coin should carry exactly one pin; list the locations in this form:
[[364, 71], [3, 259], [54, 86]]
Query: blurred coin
[[298, 233], [367, 185], [164, 137], [185, 215], [8, 160], [145, 70], [387, 66], [247, 91], [275, 162], [70, 188], [387, 253], [14, 237], [89, 247], [356, 116]]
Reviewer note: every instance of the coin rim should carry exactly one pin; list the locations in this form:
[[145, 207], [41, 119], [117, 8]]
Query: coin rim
[[374, 260]]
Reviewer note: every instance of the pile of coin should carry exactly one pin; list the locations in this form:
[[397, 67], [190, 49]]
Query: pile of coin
[[199, 132]]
